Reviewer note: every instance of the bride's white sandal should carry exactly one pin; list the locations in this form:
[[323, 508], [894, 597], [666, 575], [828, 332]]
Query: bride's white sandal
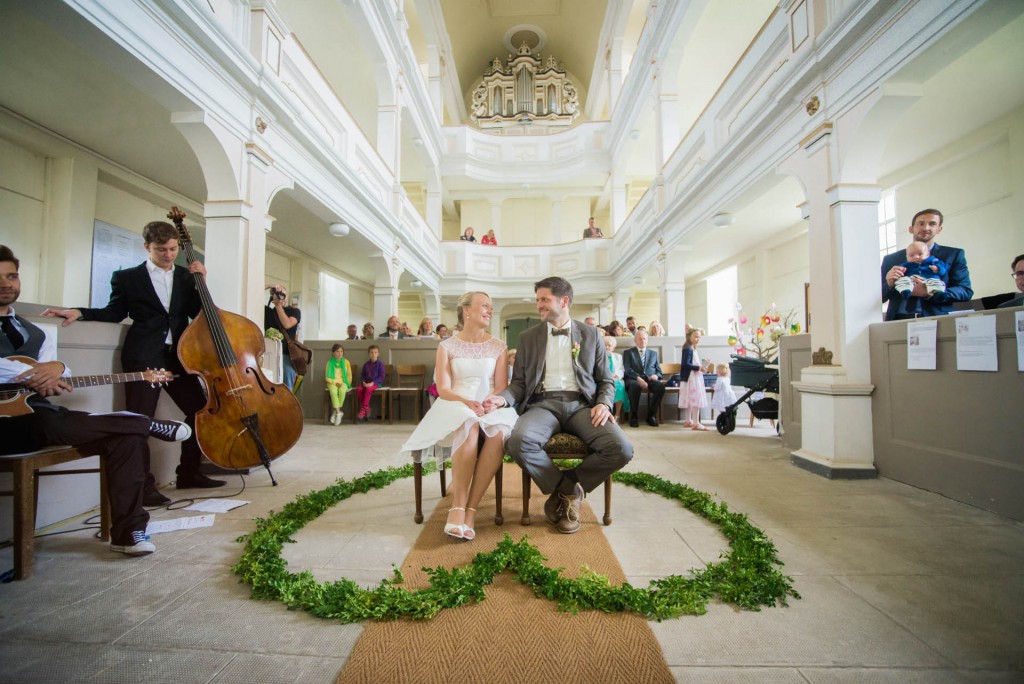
[[468, 533], [453, 530]]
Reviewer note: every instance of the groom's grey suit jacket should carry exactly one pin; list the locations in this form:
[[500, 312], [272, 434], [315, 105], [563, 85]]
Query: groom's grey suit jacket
[[591, 367]]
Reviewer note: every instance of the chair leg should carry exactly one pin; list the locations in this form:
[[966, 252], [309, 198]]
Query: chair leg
[[442, 469], [608, 501], [24, 518], [417, 484], [526, 499], [498, 517]]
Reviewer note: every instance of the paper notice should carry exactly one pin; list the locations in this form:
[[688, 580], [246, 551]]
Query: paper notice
[[215, 505], [976, 343], [1018, 325], [921, 344], [174, 524]]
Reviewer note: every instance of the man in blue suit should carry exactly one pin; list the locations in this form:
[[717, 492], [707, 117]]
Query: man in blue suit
[[925, 227], [643, 372]]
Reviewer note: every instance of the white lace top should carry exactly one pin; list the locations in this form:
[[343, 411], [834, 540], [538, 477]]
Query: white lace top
[[472, 365]]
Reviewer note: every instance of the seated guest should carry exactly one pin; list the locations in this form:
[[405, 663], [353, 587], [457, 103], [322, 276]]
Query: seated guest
[[467, 235], [406, 329], [372, 375], [614, 329], [489, 239], [442, 331], [618, 373], [352, 332], [1017, 271], [656, 329], [120, 439], [394, 329], [643, 374], [925, 227], [590, 320], [338, 376], [367, 331], [426, 328]]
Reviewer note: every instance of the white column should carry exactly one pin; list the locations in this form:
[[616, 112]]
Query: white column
[[556, 222], [614, 73], [434, 207], [495, 219], [68, 219], [620, 306], [434, 84], [666, 125], [389, 131], [618, 205]]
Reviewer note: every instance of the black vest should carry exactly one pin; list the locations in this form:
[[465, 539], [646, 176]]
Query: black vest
[[33, 343]]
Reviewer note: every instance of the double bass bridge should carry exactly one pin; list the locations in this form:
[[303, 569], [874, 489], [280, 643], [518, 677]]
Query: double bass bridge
[[238, 390]]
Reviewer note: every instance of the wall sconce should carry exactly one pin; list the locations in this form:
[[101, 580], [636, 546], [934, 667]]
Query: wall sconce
[[418, 142], [722, 219], [416, 283], [338, 229]]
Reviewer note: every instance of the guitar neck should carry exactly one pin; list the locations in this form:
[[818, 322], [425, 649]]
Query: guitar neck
[[108, 379]]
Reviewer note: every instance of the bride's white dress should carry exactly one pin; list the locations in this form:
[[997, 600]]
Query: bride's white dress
[[449, 422]]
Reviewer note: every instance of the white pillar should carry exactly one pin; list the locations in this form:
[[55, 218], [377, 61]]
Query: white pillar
[[618, 205], [389, 132], [620, 306], [435, 88], [68, 220], [614, 73], [434, 208], [495, 219]]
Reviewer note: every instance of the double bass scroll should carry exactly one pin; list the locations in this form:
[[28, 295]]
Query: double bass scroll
[[247, 420]]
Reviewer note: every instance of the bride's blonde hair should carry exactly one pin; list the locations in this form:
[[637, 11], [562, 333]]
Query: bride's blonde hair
[[466, 300]]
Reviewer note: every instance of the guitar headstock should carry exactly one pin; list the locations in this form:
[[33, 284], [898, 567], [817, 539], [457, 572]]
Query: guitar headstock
[[157, 377], [178, 217]]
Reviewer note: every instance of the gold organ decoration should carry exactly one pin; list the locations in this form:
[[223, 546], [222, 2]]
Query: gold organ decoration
[[525, 91]]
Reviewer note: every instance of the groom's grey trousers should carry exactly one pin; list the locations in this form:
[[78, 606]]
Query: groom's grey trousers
[[545, 417]]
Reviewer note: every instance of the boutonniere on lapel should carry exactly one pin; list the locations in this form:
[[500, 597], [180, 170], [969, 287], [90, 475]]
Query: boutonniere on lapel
[[576, 353]]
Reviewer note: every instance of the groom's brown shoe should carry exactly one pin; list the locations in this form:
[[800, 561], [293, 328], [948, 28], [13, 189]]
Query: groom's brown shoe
[[553, 508], [571, 505]]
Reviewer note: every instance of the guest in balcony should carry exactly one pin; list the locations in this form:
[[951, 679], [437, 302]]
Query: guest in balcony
[[592, 231], [656, 329], [489, 239], [426, 328], [394, 330], [368, 331], [442, 331], [352, 332], [467, 235]]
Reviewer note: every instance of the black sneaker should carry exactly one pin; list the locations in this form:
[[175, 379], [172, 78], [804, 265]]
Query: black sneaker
[[136, 546], [152, 497], [169, 430], [198, 481]]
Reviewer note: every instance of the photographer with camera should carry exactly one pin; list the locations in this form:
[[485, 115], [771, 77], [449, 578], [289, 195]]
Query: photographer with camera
[[285, 319]]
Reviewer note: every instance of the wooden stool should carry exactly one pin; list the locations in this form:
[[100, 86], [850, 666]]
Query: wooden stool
[[25, 468], [563, 446], [445, 454]]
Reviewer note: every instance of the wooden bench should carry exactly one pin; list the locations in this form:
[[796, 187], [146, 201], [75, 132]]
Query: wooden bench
[[26, 469]]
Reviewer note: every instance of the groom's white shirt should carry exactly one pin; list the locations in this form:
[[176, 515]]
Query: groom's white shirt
[[558, 374]]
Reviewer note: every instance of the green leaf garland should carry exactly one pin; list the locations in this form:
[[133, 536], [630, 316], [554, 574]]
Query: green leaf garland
[[747, 575]]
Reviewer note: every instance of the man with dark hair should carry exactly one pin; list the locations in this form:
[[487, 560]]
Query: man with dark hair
[[925, 227], [161, 299], [119, 439], [561, 383], [1017, 271], [631, 325]]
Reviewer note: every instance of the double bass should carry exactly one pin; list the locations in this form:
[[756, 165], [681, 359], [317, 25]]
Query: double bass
[[247, 420]]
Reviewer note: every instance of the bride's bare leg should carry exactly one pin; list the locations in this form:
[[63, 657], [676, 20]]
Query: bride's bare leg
[[463, 465], [487, 465]]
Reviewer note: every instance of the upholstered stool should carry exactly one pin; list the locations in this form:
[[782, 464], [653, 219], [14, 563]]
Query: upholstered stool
[[444, 453], [563, 446]]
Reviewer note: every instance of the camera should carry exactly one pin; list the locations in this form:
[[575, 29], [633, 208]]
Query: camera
[[274, 292]]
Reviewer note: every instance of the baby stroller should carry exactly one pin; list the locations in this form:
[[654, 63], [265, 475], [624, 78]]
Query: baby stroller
[[757, 376]]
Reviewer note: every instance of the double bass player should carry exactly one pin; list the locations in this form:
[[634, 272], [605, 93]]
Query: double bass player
[[161, 299]]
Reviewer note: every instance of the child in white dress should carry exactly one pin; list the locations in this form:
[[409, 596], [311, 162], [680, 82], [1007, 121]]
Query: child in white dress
[[723, 394]]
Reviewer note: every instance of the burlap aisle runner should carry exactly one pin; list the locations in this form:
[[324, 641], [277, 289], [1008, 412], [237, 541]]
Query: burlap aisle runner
[[512, 636]]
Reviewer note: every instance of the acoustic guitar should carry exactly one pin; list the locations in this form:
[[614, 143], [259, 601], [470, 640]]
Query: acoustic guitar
[[14, 396]]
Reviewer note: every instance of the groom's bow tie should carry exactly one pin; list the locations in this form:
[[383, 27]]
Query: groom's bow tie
[[559, 331]]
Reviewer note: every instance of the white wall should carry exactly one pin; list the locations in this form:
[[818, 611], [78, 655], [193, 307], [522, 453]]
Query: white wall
[[22, 189]]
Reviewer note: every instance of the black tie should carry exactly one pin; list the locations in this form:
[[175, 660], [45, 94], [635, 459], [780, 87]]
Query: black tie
[[554, 331], [16, 338]]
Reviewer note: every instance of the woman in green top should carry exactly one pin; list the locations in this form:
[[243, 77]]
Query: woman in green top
[[339, 381]]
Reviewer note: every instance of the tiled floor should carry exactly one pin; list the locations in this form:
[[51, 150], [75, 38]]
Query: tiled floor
[[898, 584]]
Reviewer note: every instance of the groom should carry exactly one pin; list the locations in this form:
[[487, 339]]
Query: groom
[[561, 383]]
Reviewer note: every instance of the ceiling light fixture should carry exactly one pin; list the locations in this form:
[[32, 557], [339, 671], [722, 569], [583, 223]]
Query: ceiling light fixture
[[338, 229], [417, 283], [722, 219]]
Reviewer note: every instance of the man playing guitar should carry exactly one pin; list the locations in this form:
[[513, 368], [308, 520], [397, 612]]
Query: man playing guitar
[[119, 439]]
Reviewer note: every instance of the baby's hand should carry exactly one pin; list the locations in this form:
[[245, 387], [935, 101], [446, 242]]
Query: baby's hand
[[935, 269]]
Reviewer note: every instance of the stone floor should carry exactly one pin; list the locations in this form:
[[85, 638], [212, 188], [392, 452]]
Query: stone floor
[[898, 584]]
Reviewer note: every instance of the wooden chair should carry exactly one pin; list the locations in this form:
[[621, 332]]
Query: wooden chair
[[26, 470], [407, 382], [563, 446], [668, 370], [444, 455], [379, 395]]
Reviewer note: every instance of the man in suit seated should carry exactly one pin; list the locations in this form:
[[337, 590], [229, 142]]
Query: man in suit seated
[[1017, 271], [643, 374], [925, 227]]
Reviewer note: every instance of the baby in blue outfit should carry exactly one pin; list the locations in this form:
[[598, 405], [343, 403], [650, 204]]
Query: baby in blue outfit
[[922, 265]]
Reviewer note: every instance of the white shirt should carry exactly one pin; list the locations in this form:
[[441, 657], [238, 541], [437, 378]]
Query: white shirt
[[558, 371], [163, 283], [47, 352]]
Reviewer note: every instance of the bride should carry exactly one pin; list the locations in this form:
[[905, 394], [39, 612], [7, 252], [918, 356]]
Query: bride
[[470, 365]]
